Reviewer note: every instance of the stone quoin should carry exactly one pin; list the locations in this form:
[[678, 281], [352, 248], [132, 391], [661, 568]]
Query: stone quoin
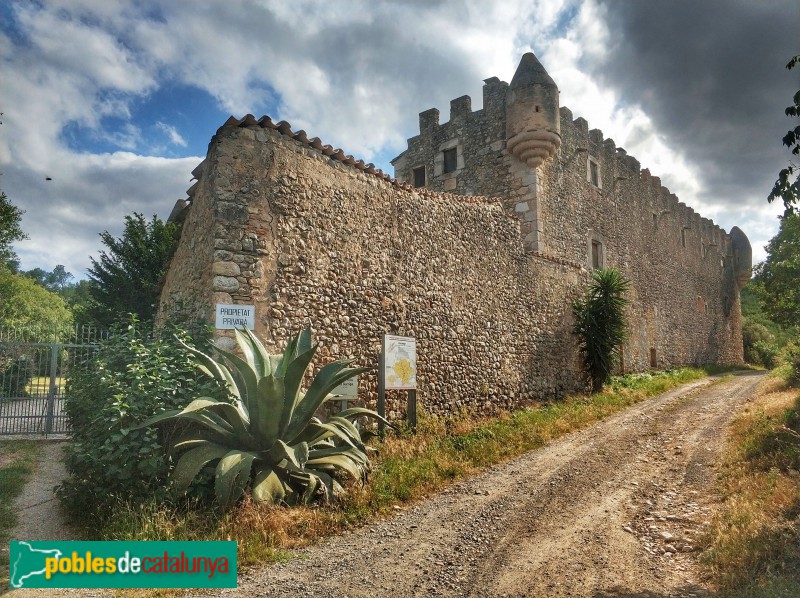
[[477, 248]]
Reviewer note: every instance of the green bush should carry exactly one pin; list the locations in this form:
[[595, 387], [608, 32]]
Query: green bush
[[132, 377], [761, 347], [791, 358]]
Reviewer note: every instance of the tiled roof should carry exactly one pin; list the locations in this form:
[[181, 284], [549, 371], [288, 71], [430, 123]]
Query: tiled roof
[[284, 128]]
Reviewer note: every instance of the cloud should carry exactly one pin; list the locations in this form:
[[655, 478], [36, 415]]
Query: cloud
[[172, 133], [695, 91]]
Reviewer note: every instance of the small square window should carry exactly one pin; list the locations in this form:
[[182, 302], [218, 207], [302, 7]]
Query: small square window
[[419, 176], [450, 160]]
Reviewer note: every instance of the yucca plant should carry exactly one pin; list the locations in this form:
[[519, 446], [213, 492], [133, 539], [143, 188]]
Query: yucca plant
[[268, 438], [600, 323]]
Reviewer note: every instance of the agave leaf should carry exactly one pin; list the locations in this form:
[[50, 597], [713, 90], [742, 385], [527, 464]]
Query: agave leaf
[[265, 416], [334, 462], [232, 475], [254, 352], [293, 380], [184, 445], [317, 431], [157, 419], [275, 362], [236, 418], [268, 486], [304, 341], [348, 429], [214, 370], [356, 455], [288, 356], [328, 378], [345, 424], [192, 461], [248, 378], [308, 483], [356, 412], [296, 455], [329, 484], [218, 432]]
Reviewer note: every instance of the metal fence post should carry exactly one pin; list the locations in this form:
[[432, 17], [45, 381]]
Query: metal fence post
[[51, 395]]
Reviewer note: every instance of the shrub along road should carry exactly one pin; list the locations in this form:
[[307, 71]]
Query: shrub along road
[[613, 510]]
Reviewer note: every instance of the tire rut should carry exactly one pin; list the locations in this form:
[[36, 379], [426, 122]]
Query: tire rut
[[612, 510]]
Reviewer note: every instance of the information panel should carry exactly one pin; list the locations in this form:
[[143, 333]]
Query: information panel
[[400, 362]]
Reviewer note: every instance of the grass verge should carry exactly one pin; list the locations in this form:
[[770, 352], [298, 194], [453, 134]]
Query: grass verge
[[18, 459], [407, 469], [753, 543]]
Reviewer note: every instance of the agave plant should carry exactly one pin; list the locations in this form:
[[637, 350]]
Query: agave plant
[[268, 438]]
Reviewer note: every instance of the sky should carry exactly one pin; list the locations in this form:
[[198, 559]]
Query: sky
[[108, 105]]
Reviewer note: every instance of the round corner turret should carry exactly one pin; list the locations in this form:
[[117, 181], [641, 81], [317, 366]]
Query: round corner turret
[[533, 123], [742, 256]]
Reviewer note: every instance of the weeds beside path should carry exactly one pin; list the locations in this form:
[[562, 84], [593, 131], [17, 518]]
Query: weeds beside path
[[617, 508], [753, 545]]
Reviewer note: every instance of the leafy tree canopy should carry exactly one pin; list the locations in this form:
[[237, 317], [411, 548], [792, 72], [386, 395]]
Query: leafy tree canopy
[[778, 278], [787, 187], [127, 278], [10, 230], [26, 303], [56, 281]]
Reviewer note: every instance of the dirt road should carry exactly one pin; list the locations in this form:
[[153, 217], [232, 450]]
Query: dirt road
[[612, 510]]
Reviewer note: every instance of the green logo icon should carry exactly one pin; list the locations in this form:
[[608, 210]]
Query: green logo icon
[[122, 565]]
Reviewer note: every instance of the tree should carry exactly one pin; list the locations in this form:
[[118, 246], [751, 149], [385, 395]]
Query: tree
[[784, 187], [10, 230], [56, 281], [600, 323], [26, 303], [127, 279], [778, 277]]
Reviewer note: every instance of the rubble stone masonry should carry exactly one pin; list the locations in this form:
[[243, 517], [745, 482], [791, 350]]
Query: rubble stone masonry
[[481, 265]]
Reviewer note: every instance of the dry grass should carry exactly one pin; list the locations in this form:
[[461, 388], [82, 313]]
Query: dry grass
[[407, 468], [753, 545]]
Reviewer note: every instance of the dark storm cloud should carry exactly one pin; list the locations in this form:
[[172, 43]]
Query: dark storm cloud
[[711, 76]]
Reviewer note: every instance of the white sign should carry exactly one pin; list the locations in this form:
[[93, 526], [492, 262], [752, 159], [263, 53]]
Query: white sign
[[400, 362], [235, 316], [348, 389]]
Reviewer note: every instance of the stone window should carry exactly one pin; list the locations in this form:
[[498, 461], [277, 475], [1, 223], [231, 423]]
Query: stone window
[[450, 160], [653, 358], [593, 172], [683, 237], [419, 176], [596, 250], [597, 255]]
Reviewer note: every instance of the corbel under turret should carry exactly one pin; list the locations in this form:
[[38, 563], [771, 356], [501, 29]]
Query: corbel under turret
[[533, 125]]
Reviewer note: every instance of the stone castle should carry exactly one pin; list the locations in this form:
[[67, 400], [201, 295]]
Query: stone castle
[[477, 248]]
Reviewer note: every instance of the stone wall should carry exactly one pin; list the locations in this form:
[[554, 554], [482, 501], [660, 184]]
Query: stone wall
[[683, 267], [480, 265], [357, 256]]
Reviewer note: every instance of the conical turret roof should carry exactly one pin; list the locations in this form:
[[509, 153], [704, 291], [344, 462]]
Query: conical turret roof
[[531, 72]]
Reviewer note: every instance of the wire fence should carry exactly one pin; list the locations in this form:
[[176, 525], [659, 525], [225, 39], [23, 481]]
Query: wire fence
[[35, 364]]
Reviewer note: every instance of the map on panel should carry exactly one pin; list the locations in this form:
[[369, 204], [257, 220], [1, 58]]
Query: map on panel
[[400, 362]]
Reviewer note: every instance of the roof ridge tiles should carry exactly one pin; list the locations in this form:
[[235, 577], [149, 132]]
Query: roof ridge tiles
[[284, 128]]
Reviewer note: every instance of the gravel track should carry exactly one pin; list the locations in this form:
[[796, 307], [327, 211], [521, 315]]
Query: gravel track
[[610, 511]]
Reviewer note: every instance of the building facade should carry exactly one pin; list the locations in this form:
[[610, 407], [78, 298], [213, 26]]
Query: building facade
[[477, 248]]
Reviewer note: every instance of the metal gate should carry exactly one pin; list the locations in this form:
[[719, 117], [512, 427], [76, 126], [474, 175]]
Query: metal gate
[[35, 363]]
